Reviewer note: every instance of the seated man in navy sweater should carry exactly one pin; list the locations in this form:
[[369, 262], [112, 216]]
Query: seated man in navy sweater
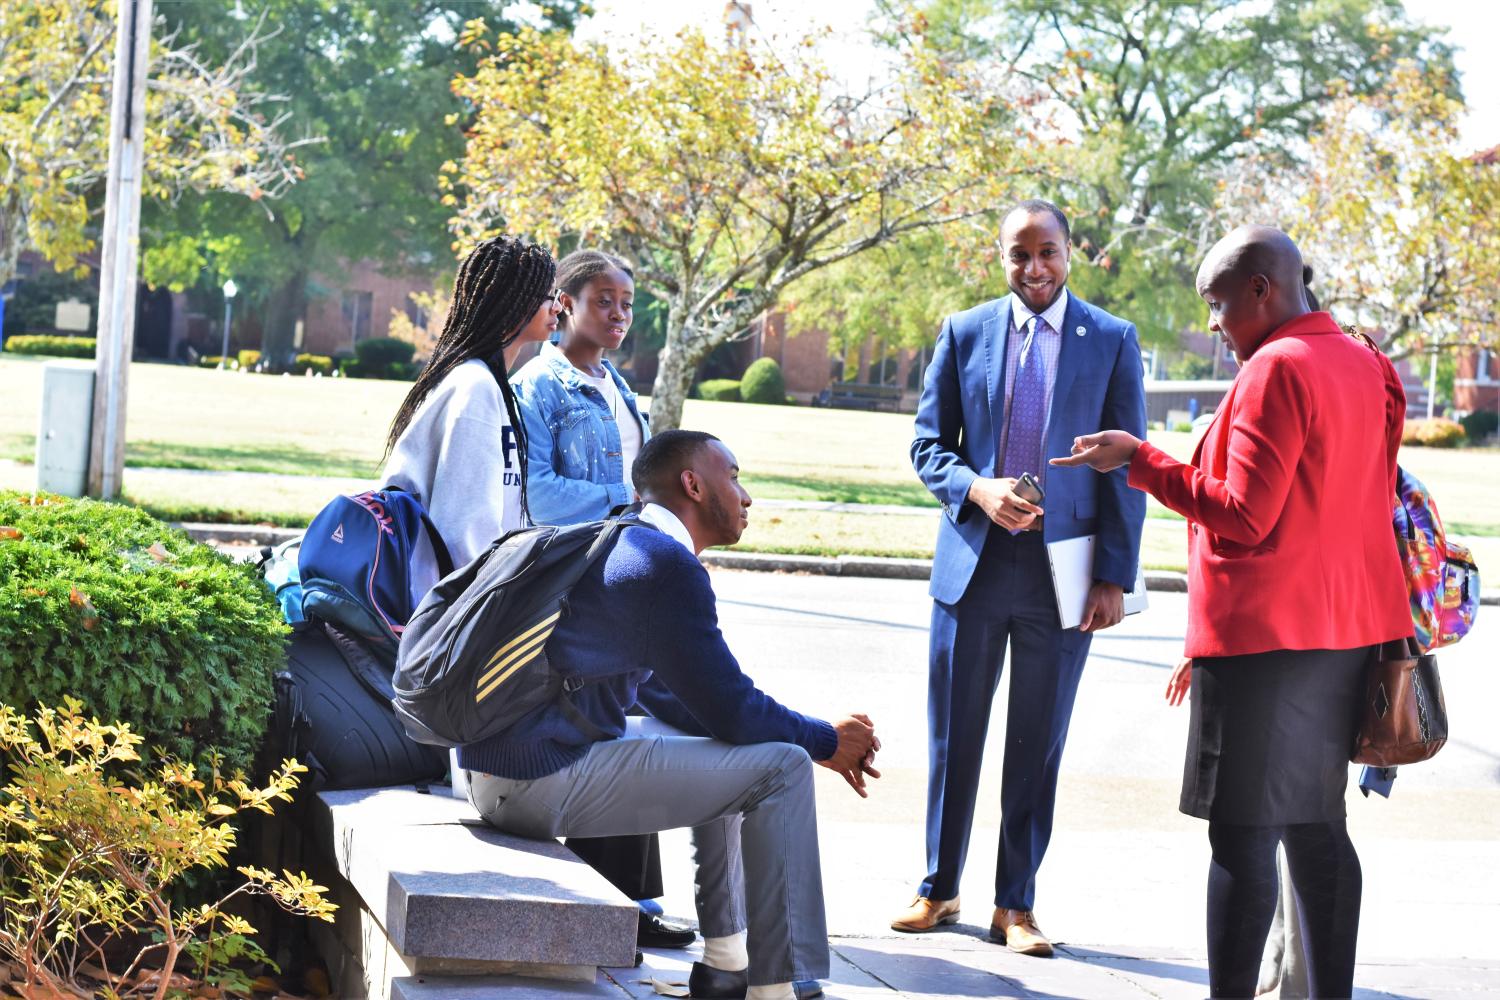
[[719, 756]]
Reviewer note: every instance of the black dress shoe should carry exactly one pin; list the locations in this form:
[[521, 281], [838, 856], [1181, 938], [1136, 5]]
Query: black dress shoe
[[807, 989], [654, 932], [707, 983]]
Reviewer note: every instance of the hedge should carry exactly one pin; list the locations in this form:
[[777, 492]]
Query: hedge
[[1435, 433], [320, 363], [51, 345], [102, 602], [723, 390], [1481, 424], [763, 383], [248, 359]]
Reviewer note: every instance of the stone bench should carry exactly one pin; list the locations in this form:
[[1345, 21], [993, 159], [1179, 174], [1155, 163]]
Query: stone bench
[[428, 892]]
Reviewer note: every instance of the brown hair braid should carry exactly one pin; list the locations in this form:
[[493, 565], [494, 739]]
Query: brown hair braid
[[500, 286]]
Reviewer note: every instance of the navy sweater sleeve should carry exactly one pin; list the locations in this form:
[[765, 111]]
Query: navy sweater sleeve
[[660, 703], [687, 652]]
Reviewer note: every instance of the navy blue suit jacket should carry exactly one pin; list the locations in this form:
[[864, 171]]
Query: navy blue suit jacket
[[1100, 386]]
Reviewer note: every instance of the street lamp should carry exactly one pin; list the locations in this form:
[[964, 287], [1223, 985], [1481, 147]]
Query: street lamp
[[230, 288]]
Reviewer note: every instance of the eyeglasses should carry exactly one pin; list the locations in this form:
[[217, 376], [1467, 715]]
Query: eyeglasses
[[554, 297]]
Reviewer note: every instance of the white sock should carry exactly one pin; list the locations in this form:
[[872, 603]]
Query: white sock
[[776, 991], [727, 954]]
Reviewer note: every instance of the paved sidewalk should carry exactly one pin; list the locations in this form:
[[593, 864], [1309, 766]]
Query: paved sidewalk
[[961, 964]]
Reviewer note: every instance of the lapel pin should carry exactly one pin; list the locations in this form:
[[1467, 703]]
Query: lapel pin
[[1080, 331]]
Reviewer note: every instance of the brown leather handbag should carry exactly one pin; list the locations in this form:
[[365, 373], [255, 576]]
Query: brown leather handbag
[[1404, 718]]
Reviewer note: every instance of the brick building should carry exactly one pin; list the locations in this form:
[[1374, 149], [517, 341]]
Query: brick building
[[1476, 385]]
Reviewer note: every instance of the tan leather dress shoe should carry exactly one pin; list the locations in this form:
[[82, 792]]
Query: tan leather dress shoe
[[926, 914], [1018, 931]]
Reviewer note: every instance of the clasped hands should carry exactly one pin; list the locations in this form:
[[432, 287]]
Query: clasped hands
[[855, 756]]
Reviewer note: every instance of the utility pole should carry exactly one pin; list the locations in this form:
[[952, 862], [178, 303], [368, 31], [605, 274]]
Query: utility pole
[[120, 259]]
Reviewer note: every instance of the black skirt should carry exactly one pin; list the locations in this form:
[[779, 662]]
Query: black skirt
[[1270, 736]]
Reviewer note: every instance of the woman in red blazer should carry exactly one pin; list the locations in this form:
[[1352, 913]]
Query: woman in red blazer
[[1292, 576]]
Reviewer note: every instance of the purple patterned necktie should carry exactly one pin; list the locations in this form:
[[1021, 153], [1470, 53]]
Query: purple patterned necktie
[[1028, 398]]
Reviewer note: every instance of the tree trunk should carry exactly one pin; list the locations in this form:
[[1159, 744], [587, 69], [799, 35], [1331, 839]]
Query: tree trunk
[[287, 305], [674, 380], [862, 370]]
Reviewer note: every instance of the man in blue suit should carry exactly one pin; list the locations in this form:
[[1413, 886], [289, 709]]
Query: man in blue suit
[[1011, 384]]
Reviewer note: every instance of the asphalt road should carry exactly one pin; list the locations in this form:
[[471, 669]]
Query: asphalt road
[[1125, 868]]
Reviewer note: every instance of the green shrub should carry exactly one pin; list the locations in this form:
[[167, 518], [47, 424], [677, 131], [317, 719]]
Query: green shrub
[[248, 359], [379, 352], [1435, 433], [104, 603], [320, 363], [723, 390], [1191, 366], [763, 383], [1481, 424], [53, 346]]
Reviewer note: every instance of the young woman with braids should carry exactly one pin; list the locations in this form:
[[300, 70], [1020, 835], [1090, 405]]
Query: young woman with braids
[[458, 441], [583, 428]]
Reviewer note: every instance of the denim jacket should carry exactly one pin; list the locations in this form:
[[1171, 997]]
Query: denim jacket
[[574, 467]]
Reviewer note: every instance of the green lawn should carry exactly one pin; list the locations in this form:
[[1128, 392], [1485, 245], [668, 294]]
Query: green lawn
[[322, 435]]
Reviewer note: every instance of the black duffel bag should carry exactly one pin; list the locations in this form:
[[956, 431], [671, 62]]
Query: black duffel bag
[[333, 714]]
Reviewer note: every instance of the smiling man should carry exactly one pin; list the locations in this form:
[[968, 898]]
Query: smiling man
[[1012, 383]]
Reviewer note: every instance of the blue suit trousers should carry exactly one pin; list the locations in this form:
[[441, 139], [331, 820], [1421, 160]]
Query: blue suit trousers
[[1009, 601]]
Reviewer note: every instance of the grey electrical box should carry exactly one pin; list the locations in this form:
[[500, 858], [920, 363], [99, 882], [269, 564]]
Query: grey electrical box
[[62, 436]]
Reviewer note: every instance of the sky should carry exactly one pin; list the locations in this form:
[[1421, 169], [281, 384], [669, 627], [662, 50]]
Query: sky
[[1471, 23]]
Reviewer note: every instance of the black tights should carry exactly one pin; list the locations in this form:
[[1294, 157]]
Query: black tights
[[1242, 890]]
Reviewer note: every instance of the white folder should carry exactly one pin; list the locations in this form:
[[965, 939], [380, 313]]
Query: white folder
[[1072, 562]]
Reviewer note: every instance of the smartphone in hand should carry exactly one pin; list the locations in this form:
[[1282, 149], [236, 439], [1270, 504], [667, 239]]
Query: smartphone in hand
[[1028, 489]]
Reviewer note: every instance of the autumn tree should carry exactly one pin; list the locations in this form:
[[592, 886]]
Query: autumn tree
[[1400, 223], [1167, 95], [729, 172], [208, 127], [373, 79], [895, 296]]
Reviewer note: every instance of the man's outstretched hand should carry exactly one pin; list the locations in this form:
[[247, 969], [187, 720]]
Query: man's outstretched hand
[[1102, 452], [855, 756]]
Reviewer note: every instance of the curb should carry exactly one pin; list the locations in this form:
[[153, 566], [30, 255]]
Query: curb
[[878, 567], [237, 534]]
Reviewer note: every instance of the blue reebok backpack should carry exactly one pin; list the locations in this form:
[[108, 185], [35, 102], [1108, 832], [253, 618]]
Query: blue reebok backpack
[[357, 562]]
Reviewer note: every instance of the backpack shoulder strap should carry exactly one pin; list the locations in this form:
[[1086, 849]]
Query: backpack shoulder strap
[[439, 547]]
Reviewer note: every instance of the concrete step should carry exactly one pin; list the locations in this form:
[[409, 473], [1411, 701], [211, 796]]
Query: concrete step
[[508, 987], [439, 892]]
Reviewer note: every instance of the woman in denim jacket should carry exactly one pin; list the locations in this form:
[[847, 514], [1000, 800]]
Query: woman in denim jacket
[[583, 428], [583, 431]]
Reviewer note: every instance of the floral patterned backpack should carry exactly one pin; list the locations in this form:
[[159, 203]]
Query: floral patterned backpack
[[1441, 575]]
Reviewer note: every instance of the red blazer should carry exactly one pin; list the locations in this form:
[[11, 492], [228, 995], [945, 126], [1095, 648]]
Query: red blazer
[[1289, 498]]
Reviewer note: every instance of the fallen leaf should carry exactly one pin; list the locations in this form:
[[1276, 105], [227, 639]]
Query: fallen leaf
[[159, 552], [666, 989], [315, 981], [9, 534], [94, 972], [80, 600], [264, 984], [148, 979]]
